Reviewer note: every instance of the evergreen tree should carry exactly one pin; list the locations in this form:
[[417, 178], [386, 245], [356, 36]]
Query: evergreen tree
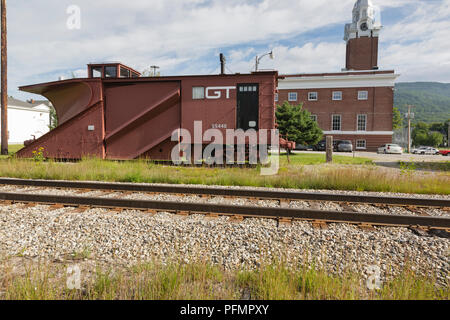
[[53, 119], [296, 123]]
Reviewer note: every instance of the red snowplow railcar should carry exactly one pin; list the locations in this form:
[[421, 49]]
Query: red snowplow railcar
[[117, 114]]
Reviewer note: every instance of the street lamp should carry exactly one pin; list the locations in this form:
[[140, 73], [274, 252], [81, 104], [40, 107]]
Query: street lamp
[[258, 59]]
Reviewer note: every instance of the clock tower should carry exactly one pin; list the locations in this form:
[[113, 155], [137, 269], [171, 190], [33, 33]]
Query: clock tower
[[362, 37]]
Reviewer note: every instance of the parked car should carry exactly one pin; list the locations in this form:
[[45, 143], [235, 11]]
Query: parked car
[[321, 146], [426, 150], [336, 144], [445, 153], [390, 148], [345, 146], [301, 147]]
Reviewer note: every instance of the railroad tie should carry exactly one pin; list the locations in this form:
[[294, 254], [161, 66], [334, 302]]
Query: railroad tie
[[420, 230], [151, 212], [319, 224], [81, 209], [314, 205], [30, 205], [83, 191], [346, 207], [237, 218], [285, 203], [418, 211], [56, 206], [285, 221], [183, 213], [6, 202], [366, 226]]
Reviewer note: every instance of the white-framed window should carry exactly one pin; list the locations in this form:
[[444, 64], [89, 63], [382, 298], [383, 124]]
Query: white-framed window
[[360, 144], [363, 95], [362, 122], [276, 97], [313, 96], [198, 93], [292, 96], [337, 95], [336, 122], [314, 117]]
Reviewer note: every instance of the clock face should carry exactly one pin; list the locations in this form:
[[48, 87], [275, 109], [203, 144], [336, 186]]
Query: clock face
[[364, 26]]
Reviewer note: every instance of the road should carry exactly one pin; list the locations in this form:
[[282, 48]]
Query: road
[[386, 158]]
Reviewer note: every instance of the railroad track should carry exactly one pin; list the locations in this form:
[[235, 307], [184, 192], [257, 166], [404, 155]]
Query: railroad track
[[282, 196], [319, 218]]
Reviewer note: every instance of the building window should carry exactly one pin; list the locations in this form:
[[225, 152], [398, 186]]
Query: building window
[[292, 96], [276, 97], [314, 117], [337, 95], [362, 122], [363, 95], [198, 93], [360, 144], [313, 96], [336, 122]]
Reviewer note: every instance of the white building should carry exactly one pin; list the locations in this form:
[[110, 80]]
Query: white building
[[27, 120]]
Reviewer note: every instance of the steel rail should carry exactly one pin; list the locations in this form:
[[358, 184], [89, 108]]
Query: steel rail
[[232, 210], [214, 191]]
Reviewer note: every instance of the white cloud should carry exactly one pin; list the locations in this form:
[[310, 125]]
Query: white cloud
[[181, 36]]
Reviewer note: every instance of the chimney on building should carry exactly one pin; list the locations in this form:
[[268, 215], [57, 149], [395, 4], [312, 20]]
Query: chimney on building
[[223, 61]]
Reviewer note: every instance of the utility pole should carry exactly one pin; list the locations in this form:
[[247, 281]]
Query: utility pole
[[409, 116], [329, 148], [448, 135], [154, 70], [4, 82]]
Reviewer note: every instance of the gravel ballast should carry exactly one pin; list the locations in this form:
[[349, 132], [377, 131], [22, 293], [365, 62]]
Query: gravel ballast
[[130, 237]]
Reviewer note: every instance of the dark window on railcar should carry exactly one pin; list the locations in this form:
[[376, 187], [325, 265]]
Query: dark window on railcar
[[111, 72], [134, 75], [247, 106], [124, 73], [97, 72]]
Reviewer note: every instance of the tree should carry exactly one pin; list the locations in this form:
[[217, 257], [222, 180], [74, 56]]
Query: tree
[[435, 139], [397, 120], [424, 135], [296, 123], [53, 119]]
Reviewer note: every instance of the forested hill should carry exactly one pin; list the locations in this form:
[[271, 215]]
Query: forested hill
[[432, 100]]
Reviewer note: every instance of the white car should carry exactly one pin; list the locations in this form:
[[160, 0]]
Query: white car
[[390, 148], [426, 150]]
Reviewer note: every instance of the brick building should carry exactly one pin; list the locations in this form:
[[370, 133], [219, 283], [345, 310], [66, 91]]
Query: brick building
[[357, 103]]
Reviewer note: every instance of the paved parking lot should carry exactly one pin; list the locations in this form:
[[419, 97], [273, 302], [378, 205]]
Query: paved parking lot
[[383, 158]]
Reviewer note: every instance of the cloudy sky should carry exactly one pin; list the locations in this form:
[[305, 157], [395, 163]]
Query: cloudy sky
[[186, 36]]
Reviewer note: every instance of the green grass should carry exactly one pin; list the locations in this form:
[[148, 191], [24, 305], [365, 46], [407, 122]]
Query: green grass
[[13, 148], [202, 281], [432, 166], [311, 159], [293, 176]]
